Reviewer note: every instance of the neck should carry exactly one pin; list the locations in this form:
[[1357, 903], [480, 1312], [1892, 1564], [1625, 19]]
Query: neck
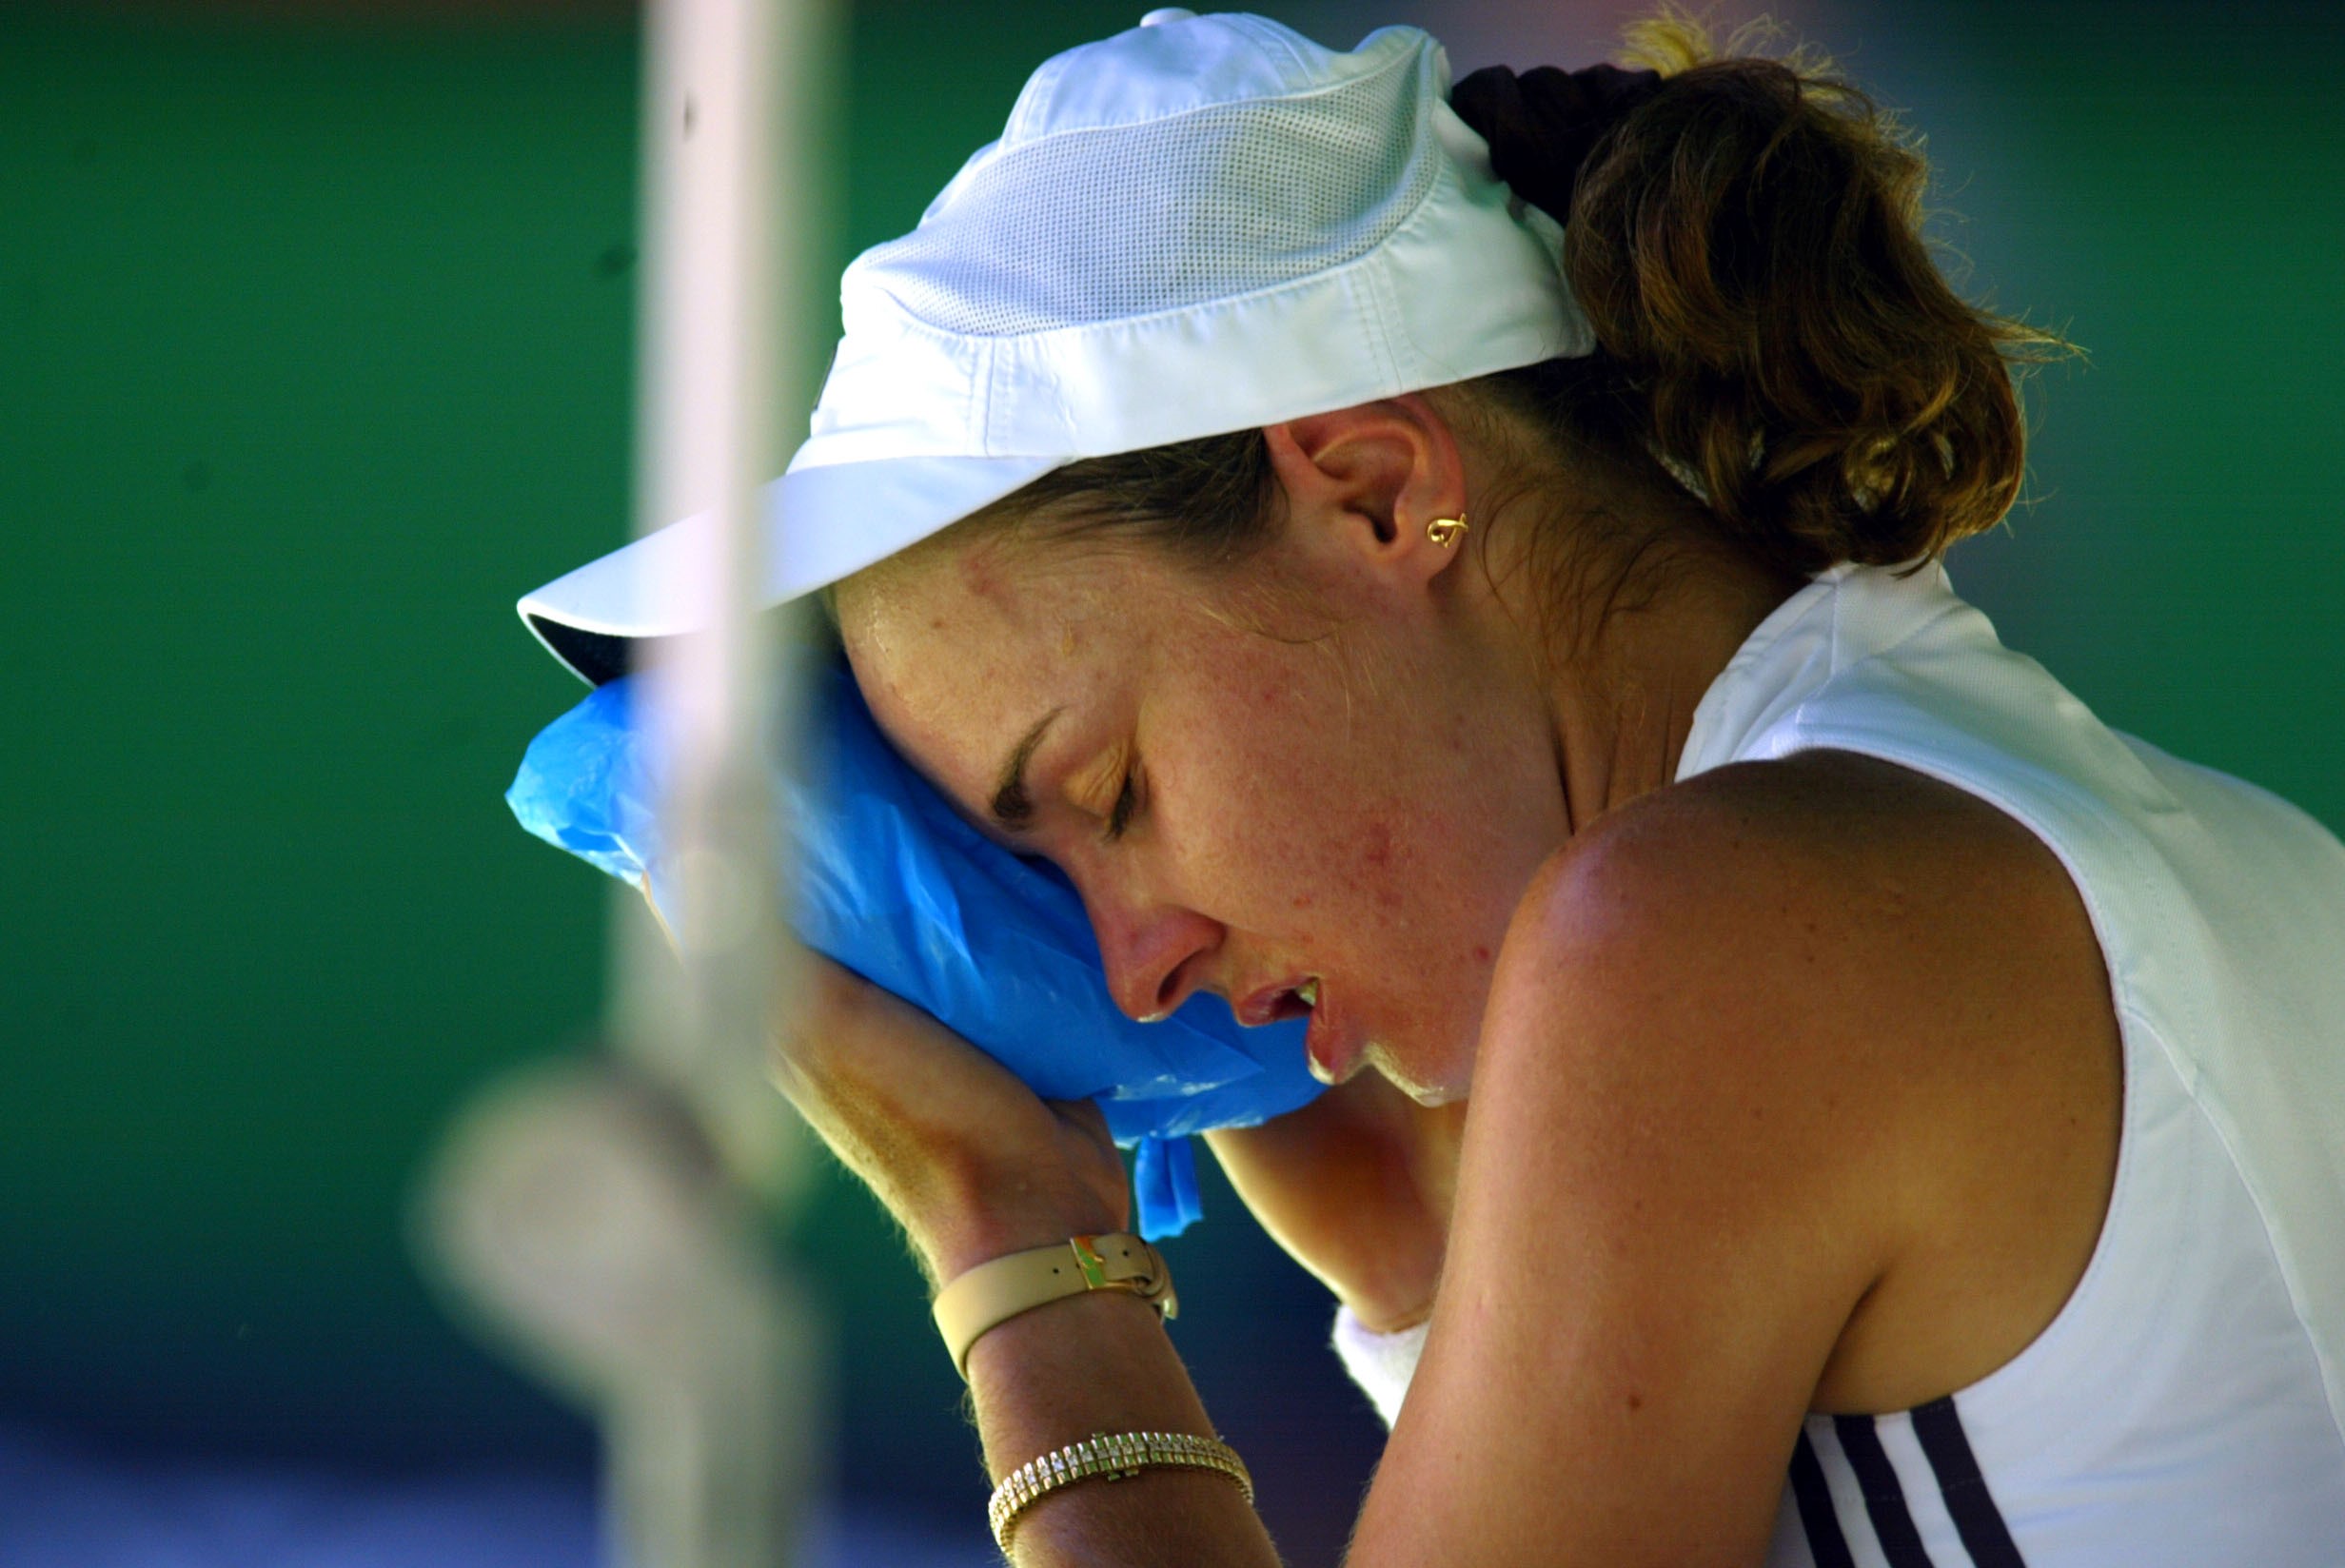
[[1620, 712]]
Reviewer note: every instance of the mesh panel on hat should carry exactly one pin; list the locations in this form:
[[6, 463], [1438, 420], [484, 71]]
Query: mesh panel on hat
[[1097, 226]]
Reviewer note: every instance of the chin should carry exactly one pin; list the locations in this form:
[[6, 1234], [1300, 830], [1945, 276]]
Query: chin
[[1436, 1088]]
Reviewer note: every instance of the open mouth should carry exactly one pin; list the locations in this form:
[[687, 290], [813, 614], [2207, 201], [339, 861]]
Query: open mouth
[[1297, 1001], [1326, 1055], [1272, 1007]]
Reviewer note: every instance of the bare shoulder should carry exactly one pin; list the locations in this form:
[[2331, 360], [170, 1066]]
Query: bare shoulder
[[1870, 997], [1818, 835], [1796, 1091]]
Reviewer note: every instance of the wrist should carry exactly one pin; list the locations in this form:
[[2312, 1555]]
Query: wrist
[[994, 1293], [1091, 1318], [981, 1237]]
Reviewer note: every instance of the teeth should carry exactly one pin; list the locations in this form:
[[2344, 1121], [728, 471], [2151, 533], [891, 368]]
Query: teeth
[[1309, 991]]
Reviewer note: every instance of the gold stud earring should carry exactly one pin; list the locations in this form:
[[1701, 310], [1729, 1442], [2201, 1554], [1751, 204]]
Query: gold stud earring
[[1444, 531]]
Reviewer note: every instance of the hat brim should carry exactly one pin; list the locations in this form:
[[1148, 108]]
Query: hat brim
[[819, 524]]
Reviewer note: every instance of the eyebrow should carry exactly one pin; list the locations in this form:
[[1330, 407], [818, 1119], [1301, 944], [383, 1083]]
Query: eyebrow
[[1010, 806]]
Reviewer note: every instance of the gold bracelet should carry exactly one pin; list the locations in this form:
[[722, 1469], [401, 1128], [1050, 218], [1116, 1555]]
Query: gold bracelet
[[1116, 1455]]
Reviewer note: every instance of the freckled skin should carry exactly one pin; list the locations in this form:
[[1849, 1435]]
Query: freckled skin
[[1355, 774], [1294, 820], [1353, 753]]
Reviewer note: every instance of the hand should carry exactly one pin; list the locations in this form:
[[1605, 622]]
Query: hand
[[1358, 1186], [968, 1159]]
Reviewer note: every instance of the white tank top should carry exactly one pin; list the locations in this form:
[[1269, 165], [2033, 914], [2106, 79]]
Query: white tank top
[[2186, 1408]]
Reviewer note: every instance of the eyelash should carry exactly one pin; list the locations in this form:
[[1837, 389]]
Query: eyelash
[[1126, 800]]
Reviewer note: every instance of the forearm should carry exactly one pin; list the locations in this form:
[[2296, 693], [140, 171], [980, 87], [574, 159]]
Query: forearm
[[976, 1169], [1358, 1186], [1102, 1363]]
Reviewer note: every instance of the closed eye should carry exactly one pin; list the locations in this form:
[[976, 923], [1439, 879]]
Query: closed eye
[[1126, 801]]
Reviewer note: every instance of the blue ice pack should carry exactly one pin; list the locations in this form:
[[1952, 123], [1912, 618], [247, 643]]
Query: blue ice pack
[[895, 886]]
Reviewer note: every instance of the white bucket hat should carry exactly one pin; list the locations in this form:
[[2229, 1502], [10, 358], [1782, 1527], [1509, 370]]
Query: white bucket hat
[[1204, 224]]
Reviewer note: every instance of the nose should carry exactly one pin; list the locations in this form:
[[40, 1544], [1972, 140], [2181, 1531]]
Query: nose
[[1157, 953]]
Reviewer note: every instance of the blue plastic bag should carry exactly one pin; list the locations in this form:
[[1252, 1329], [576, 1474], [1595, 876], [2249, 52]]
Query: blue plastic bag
[[892, 884]]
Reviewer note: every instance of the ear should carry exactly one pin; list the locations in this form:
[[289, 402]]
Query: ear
[[1361, 484]]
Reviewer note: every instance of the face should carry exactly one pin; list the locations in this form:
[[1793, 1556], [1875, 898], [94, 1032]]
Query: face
[[1319, 797]]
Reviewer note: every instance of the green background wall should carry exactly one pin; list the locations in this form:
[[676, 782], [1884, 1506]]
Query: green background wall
[[314, 352]]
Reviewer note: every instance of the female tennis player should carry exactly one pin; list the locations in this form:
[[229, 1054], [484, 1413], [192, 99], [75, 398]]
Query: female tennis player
[[1462, 561]]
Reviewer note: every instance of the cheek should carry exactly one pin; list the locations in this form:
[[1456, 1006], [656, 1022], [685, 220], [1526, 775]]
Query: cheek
[[1372, 836], [1293, 799], [1375, 865], [1352, 841]]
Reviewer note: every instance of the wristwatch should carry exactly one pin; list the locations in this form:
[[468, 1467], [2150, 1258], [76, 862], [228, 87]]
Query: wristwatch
[[993, 1293]]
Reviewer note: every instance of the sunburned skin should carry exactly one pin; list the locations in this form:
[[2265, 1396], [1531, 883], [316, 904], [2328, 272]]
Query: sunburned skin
[[1349, 784], [1347, 760], [1288, 819], [1666, 1030]]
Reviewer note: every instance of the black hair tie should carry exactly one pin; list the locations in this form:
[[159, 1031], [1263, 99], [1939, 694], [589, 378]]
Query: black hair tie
[[1541, 123]]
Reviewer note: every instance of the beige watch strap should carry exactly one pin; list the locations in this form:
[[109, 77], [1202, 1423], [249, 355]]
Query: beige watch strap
[[993, 1293]]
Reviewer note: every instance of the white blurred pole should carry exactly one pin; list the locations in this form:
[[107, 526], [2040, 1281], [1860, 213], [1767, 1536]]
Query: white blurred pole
[[603, 1221], [734, 100], [713, 1472]]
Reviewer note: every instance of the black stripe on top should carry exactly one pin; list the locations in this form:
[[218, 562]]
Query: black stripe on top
[[1825, 1541], [1885, 1500], [1975, 1517]]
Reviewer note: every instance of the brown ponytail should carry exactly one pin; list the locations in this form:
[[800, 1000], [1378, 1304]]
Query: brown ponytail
[[1744, 233], [1746, 241]]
